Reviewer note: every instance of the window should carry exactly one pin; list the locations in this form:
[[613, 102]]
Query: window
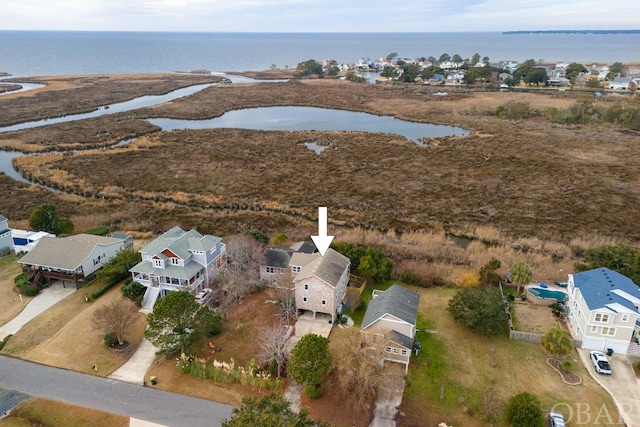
[[324, 302], [175, 261], [609, 331], [625, 317], [594, 329], [295, 269], [404, 352], [306, 287], [602, 317], [269, 270], [395, 350], [304, 299], [387, 349], [158, 263]]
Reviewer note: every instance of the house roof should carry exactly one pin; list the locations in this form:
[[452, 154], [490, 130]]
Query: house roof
[[302, 259], [395, 336], [601, 287], [397, 301], [304, 247], [328, 268], [181, 243], [185, 273], [65, 253], [277, 257]]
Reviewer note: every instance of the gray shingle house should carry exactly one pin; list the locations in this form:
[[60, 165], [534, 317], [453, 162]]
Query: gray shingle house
[[390, 321], [321, 283]]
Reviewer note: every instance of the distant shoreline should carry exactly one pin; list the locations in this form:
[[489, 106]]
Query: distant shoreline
[[573, 32]]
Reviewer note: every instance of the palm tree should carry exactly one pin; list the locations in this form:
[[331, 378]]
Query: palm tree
[[520, 273]]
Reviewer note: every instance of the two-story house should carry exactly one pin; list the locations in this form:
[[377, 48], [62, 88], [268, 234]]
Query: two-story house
[[321, 283], [603, 309], [276, 269], [390, 322], [178, 260]]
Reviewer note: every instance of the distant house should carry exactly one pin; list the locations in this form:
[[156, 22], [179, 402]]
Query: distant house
[[455, 78], [178, 260], [620, 83], [390, 322], [6, 242], [70, 259], [321, 283], [277, 260], [603, 309], [25, 240]]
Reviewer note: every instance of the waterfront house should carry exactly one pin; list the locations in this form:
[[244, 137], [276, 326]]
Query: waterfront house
[[390, 323], [277, 263], [621, 83], [603, 309], [70, 259], [321, 282], [178, 260]]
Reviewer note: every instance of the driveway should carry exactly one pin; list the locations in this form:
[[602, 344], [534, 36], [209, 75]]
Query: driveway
[[306, 324], [136, 368], [45, 299], [622, 385], [142, 403]]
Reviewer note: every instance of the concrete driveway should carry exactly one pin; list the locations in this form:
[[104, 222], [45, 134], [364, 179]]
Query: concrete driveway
[[306, 324], [622, 385]]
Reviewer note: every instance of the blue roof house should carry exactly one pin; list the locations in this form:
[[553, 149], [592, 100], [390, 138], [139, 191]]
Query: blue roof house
[[603, 310]]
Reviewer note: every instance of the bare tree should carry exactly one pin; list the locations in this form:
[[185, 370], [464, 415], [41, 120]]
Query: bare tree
[[244, 255], [357, 369], [272, 340], [287, 302], [116, 317]]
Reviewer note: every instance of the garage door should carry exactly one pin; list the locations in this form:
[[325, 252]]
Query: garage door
[[591, 343]]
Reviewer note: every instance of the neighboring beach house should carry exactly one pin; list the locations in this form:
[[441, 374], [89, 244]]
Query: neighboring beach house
[[603, 310], [6, 242], [178, 260], [620, 83], [321, 282], [390, 322], [276, 267], [70, 259], [25, 240]]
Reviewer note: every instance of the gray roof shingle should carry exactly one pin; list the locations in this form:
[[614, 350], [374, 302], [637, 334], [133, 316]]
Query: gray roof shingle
[[328, 268], [397, 301]]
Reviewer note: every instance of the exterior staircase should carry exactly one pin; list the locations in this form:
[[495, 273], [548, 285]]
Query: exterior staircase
[[150, 298], [36, 278], [634, 350]]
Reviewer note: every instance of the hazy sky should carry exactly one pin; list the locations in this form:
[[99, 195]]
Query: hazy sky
[[319, 15]]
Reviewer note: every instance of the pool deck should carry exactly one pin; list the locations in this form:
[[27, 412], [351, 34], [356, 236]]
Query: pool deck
[[544, 301]]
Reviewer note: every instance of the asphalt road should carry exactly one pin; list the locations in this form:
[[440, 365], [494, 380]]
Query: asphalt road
[[145, 403]]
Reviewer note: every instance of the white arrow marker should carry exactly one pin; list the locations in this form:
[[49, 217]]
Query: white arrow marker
[[322, 241]]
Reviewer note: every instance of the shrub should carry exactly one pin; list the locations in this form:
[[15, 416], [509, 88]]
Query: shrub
[[29, 290], [110, 339], [524, 410], [4, 341], [21, 279], [100, 230], [514, 110], [132, 290], [97, 294], [312, 391]]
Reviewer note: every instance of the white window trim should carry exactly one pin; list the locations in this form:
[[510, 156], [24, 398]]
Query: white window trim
[[594, 329], [625, 317]]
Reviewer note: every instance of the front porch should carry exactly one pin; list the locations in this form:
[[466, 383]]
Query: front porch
[[38, 274]]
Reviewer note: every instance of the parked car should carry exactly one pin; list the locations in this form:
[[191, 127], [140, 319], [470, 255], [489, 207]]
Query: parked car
[[204, 296], [600, 362], [556, 419]]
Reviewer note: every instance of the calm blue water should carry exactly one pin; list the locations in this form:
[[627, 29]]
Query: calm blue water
[[29, 53], [313, 119]]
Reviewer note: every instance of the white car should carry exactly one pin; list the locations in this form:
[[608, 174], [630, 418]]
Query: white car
[[600, 362], [204, 295], [556, 419]]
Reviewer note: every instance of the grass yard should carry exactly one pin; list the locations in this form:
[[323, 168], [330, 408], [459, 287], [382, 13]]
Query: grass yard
[[10, 304], [51, 413], [462, 378], [64, 336]]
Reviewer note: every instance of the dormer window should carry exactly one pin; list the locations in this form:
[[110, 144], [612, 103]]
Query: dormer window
[[175, 261], [158, 263]]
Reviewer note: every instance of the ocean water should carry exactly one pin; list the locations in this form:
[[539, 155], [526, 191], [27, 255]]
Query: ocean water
[[30, 53]]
